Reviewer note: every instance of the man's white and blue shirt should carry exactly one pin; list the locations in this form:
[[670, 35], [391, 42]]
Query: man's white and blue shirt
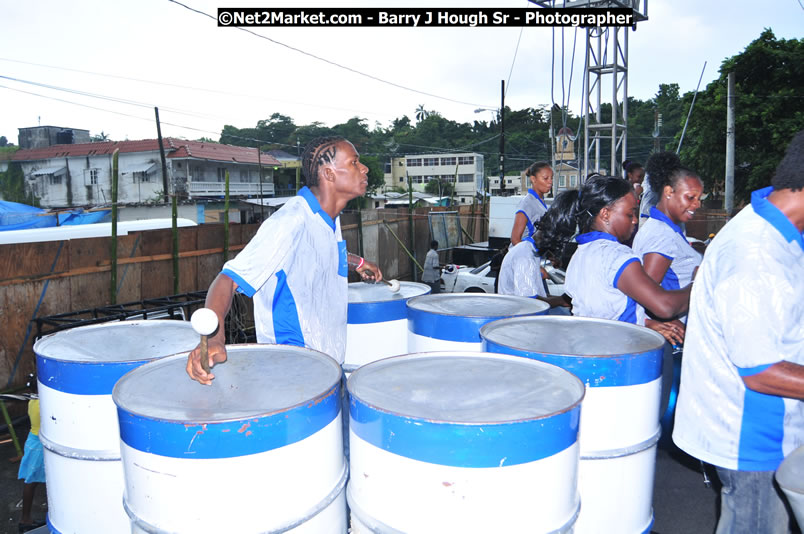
[[746, 314], [296, 271]]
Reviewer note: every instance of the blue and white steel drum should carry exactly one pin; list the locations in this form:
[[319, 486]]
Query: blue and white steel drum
[[452, 321], [463, 442], [77, 370], [260, 450], [377, 321], [790, 477], [621, 366]]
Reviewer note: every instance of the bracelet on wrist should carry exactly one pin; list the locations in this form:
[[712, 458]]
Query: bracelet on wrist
[[359, 265]]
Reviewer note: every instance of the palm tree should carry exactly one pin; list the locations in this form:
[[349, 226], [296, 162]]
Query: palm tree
[[421, 113]]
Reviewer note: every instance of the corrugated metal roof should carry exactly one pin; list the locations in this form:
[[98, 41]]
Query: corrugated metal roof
[[58, 169]]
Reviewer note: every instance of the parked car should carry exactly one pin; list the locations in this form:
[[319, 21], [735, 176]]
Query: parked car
[[464, 279]]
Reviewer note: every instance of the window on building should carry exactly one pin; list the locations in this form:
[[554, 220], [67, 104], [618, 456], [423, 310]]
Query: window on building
[[448, 161], [430, 162], [509, 180], [244, 175], [463, 178], [562, 181], [401, 178], [573, 180], [221, 174], [388, 167], [463, 200], [91, 176], [54, 179], [417, 162], [466, 160], [141, 177]]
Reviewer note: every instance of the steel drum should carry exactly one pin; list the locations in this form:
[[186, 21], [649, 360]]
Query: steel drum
[[77, 370], [621, 366], [463, 442], [260, 450], [448, 321], [377, 321]]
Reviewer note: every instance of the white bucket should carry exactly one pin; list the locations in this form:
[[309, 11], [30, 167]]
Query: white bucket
[[790, 477], [77, 370], [621, 366], [377, 322], [260, 450], [463, 442], [448, 321]]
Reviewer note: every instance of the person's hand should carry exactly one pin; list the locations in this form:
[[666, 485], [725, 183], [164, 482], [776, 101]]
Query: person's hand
[[673, 331], [369, 271], [216, 351]]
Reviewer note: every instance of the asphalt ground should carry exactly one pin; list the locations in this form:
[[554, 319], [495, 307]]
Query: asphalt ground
[[682, 503]]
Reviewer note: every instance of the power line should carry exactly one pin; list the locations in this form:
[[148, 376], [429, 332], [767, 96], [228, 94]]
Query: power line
[[180, 86], [333, 63]]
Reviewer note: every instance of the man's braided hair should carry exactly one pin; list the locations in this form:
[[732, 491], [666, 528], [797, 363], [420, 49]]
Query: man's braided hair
[[319, 151]]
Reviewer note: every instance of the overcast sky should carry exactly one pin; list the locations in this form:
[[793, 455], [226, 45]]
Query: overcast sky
[[157, 53]]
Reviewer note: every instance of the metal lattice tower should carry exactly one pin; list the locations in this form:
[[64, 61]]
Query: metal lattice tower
[[605, 80]]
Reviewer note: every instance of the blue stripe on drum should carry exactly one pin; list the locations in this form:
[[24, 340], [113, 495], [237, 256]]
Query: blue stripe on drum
[[82, 377], [377, 312], [449, 327], [474, 445], [253, 435], [597, 371]]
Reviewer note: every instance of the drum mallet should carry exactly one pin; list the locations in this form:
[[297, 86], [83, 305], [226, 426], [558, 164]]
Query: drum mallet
[[205, 322], [393, 285]]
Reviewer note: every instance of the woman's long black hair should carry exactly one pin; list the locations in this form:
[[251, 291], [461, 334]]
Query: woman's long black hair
[[573, 212]]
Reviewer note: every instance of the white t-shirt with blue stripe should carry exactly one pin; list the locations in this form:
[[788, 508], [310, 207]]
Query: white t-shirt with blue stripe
[[660, 235], [295, 269], [746, 314], [592, 277], [533, 207], [520, 272]]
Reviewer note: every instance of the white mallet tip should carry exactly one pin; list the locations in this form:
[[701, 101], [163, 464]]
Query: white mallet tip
[[393, 285], [204, 321]]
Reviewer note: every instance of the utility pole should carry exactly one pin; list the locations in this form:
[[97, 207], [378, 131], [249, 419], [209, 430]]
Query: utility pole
[[728, 203], [162, 154], [502, 137], [259, 166]]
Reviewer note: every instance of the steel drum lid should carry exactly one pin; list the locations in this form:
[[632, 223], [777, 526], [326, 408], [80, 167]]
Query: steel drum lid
[[462, 387], [255, 381], [790, 474], [264, 397], [572, 336], [466, 409], [477, 305], [363, 293], [373, 303], [121, 341]]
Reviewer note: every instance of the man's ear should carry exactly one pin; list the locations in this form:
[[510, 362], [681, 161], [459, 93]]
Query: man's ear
[[327, 173]]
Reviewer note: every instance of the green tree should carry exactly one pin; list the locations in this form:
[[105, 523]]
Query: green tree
[[439, 187], [12, 183], [3, 141], [769, 82], [376, 177], [99, 138]]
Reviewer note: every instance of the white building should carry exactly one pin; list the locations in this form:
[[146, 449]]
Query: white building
[[464, 170], [81, 174]]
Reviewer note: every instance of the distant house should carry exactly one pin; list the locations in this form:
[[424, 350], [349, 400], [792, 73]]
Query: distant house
[[464, 170], [81, 174]]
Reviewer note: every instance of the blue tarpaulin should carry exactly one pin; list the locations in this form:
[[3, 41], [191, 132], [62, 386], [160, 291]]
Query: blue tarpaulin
[[16, 216]]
